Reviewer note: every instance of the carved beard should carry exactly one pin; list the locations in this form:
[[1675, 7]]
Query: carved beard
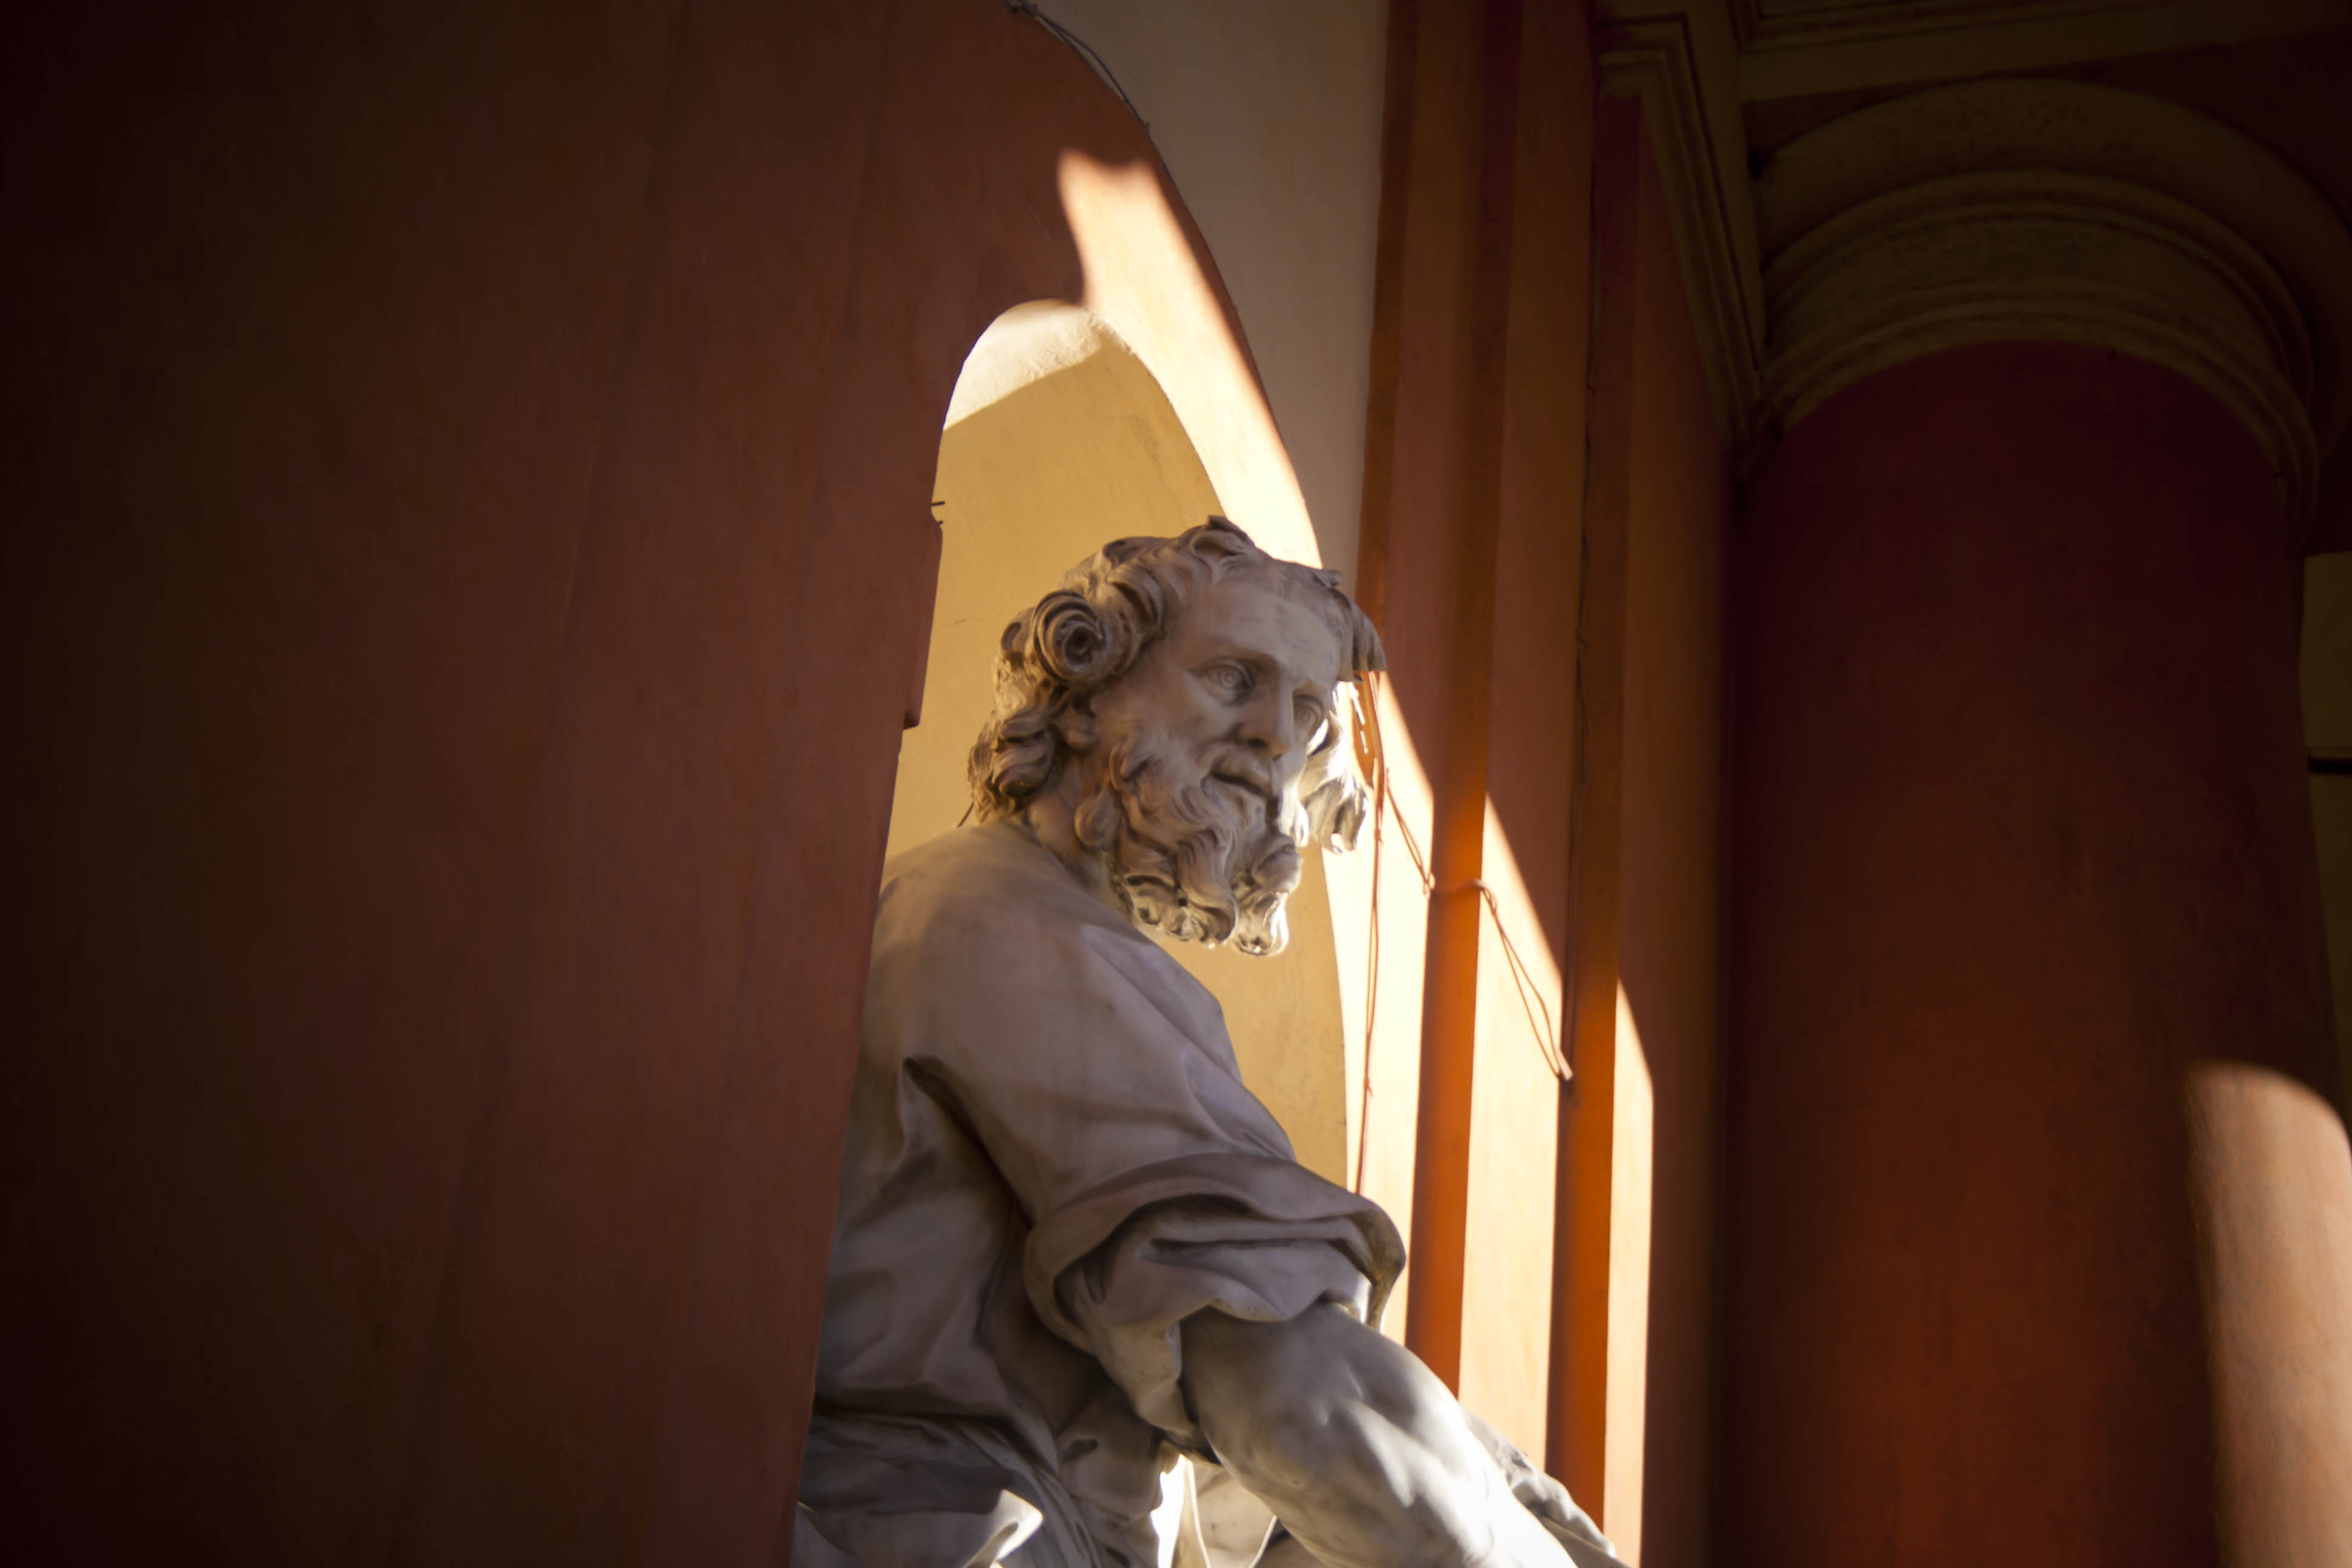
[[1195, 856]]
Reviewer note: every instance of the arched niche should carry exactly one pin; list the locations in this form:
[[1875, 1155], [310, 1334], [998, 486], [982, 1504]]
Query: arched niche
[[1058, 438]]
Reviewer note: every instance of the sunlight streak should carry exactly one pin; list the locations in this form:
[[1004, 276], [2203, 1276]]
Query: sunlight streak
[[1629, 1289], [1144, 277]]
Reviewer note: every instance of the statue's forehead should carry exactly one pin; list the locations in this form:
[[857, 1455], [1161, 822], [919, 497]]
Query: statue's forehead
[[1271, 612]]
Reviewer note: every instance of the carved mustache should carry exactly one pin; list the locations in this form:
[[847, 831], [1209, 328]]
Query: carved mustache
[[1244, 771], [1156, 781]]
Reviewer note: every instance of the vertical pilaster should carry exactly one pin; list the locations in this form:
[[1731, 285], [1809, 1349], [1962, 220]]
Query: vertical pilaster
[[1580, 1257]]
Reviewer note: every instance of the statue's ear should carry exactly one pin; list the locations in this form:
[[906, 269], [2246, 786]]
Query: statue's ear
[[1075, 725], [1367, 653]]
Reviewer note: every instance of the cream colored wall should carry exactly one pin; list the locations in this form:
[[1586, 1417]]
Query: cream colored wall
[[1268, 114], [1035, 474], [2327, 727]]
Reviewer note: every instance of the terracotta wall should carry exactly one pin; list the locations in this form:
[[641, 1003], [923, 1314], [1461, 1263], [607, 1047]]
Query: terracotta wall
[[471, 550], [476, 565], [1670, 962], [1633, 1386], [1417, 472], [1473, 483], [1549, 576], [2327, 732], [1521, 1028], [2025, 910]]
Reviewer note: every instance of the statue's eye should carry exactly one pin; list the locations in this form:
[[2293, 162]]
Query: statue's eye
[[1312, 721], [1227, 680]]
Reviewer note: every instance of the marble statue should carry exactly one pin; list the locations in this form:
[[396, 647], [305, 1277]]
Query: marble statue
[[1070, 1244]]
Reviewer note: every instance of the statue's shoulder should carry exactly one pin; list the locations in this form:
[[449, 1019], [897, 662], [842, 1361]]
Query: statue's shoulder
[[981, 883]]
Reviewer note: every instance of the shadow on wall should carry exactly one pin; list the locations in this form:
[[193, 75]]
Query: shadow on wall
[[1057, 440]]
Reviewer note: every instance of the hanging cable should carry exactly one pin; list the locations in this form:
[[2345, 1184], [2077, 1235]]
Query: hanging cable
[[1372, 760], [1029, 8]]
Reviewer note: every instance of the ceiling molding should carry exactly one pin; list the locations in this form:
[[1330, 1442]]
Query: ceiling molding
[[2056, 211], [1679, 62], [1687, 62], [1796, 50], [2038, 256]]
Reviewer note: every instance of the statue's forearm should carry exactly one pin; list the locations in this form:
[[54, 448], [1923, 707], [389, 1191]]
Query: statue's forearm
[[1355, 1445]]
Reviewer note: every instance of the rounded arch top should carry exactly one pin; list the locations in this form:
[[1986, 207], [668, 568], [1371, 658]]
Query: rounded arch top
[[2045, 142], [1025, 344]]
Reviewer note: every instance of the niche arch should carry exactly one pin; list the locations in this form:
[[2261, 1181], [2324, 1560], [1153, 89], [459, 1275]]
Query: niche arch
[[1058, 438]]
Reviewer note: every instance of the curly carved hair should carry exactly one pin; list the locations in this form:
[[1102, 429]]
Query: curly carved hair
[[1089, 631]]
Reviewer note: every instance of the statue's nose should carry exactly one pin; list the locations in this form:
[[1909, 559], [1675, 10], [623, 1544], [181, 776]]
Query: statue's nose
[[1268, 727]]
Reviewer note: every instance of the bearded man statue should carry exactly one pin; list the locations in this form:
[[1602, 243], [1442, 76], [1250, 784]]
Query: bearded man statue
[[1071, 1245]]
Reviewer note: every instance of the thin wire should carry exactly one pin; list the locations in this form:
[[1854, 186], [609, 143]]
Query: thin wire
[[1530, 993], [1029, 8], [1581, 738], [1372, 758], [1377, 754], [1371, 960]]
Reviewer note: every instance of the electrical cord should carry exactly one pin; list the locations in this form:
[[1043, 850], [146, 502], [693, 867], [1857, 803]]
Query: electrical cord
[[1029, 8], [1372, 759]]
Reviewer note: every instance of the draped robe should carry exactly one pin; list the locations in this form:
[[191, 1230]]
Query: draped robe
[[1051, 1163]]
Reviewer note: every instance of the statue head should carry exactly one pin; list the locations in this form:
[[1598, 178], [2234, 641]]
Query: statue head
[[1188, 694]]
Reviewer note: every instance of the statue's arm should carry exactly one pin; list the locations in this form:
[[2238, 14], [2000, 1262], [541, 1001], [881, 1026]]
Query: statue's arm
[[1359, 1449]]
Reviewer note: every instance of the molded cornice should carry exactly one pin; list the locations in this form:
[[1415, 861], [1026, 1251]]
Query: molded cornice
[[2001, 211], [1678, 60], [1987, 210]]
